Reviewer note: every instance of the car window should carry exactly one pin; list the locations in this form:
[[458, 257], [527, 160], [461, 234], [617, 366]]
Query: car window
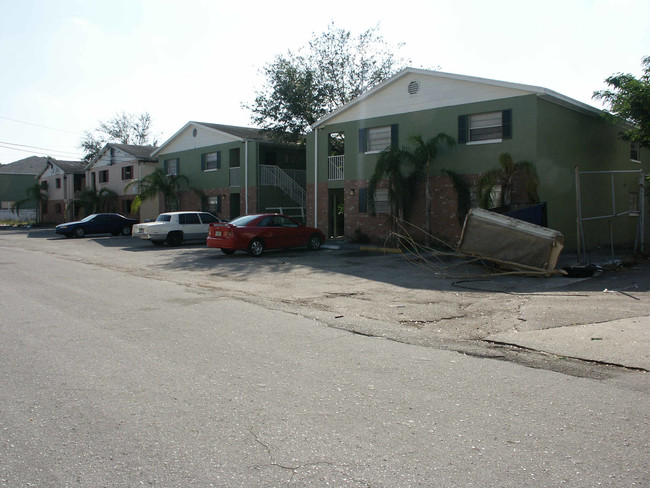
[[286, 222], [190, 218], [208, 218], [164, 218], [267, 222], [244, 220]]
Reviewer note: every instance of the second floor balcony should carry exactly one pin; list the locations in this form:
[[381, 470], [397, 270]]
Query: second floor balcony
[[234, 177], [336, 164]]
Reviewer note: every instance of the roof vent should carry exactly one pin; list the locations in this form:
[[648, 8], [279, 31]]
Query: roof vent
[[414, 87], [194, 132]]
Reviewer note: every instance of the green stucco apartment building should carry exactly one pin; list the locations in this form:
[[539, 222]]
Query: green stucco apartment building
[[15, 179], [487, 118], [239, 170]]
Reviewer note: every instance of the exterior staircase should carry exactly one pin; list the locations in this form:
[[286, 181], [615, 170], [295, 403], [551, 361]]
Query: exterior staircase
[[276, 176]]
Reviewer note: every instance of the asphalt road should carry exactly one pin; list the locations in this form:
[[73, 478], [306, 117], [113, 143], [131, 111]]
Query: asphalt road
[[111, 377]]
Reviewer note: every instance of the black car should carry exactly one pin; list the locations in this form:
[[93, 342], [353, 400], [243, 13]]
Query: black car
[[102, 223]]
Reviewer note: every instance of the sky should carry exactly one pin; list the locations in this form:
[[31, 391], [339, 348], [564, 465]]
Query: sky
[[67, 65]]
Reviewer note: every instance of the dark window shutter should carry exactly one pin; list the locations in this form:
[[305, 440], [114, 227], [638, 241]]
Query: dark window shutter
[[202, 162], [394, 135], [219, 167], [219, 198], [462, 129], [363, 200], [507, 124], [166, 167], [363, 140]]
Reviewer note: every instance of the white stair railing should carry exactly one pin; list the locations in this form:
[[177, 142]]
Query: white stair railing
[[276, 176]]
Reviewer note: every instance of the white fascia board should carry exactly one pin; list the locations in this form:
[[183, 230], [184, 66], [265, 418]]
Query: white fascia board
[[195, 125], [168, 141], [540, 91], [101, 152]]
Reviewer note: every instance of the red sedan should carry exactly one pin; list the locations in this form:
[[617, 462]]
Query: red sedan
[[255, 233]]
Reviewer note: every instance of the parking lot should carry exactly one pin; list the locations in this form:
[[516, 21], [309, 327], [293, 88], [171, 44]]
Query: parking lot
[[372, 293]]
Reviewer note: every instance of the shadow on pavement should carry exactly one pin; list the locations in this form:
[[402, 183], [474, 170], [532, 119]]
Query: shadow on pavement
[[392, 269]]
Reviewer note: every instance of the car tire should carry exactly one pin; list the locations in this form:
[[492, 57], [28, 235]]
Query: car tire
[[174, 238], [157, 243], [79, 232], [228, 252], [313, 244], [126, 230], [256, 247]]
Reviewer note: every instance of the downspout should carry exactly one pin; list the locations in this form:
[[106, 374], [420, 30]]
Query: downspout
[[316, 178], [66, 210], [246, 176], [137, 188]]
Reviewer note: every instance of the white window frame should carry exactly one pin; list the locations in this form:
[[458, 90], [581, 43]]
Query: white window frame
[[172, 163], [124, 168], [476, 122], [382, 201], [635, 147], [375, 144], [208, 161]]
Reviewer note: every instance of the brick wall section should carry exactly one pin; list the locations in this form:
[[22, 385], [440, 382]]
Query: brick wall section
[[376, 227], [50, 217], [445, 223], [444, 210], [252, 200]]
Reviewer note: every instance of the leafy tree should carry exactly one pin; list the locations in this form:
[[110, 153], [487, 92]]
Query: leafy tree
[[331, 70], [155, 183], [629, 98], [504, 175], [123, 129], [93, 201], [35, 193]]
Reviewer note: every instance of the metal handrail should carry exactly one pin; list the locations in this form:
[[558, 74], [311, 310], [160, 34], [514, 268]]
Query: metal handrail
[[336, 165], [276, 176]]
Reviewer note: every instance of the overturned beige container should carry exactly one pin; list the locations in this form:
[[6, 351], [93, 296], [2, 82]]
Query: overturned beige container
[[513, 242]]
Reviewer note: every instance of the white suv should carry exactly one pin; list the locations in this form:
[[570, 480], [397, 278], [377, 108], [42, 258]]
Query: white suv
[[176, 227]]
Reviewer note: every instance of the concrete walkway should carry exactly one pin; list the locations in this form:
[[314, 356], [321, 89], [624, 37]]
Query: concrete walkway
[[624, 342]]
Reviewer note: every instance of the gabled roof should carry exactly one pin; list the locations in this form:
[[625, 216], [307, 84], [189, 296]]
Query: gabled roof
[[141, 153], [488, 83], [241, 133], [33, 165], [249, 133], [68, 167]]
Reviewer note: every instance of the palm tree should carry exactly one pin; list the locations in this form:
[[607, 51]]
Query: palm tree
[[397, 167], [504, 174], [403, 168], [36, 193], [155, 183], [94, 201], [423, 155]]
